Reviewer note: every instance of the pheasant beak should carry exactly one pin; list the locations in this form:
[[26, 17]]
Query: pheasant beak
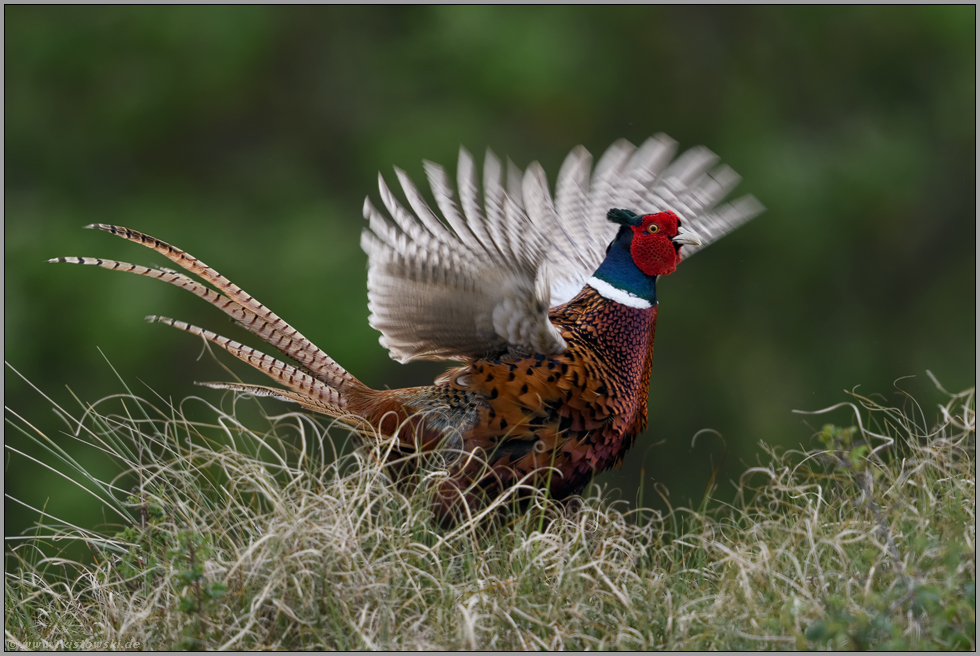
[[686, 237]]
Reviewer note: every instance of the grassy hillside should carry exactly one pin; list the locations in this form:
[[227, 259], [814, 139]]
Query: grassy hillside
[[234, 534]]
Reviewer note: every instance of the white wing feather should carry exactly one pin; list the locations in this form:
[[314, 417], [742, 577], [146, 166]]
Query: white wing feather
[[481, 281]]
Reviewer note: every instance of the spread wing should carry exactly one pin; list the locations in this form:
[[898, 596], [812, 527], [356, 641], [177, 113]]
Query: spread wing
[[481, 278]]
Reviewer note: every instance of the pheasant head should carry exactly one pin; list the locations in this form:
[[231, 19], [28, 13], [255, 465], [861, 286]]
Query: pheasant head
[[645, 247]]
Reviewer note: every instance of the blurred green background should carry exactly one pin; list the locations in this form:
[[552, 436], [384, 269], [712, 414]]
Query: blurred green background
[[250, 136]]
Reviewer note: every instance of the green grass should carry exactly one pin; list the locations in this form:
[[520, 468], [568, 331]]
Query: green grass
[[237, 537]]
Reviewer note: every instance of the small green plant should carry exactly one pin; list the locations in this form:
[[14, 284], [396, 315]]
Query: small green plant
[[159, 551], [197, 594]]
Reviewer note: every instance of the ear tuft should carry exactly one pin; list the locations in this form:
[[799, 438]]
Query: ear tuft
[[623, 217]]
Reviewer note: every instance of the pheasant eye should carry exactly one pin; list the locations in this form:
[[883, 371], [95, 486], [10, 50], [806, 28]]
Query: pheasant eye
[[652, 228]]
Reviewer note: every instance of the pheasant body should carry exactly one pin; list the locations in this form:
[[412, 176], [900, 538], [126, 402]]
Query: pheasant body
[[551, 312], [551, 421]]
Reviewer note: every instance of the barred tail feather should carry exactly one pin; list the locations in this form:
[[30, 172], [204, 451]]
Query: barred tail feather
[[305, 389], [243, 317], [251, 314], [305, 400]]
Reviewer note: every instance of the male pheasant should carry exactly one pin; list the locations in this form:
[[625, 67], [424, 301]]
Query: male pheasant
[[550, 304]]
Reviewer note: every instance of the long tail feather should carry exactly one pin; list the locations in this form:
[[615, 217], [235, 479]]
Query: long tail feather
[[304, 400], [245, 318], [326, 399], [251, 314]]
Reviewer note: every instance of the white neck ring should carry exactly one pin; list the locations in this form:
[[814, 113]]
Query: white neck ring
[[620, 296]]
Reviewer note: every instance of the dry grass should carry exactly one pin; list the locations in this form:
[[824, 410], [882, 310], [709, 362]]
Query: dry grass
[[235, 538]]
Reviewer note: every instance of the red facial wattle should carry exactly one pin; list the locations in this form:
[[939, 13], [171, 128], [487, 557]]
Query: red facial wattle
[[652, 249]]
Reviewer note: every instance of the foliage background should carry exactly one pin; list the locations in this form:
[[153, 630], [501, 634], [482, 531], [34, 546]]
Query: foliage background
[[249, 136]]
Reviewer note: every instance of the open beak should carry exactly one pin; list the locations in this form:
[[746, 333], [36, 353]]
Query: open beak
[[686, 237]]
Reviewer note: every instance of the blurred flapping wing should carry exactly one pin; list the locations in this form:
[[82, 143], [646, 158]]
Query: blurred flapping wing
[[480, 281]]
